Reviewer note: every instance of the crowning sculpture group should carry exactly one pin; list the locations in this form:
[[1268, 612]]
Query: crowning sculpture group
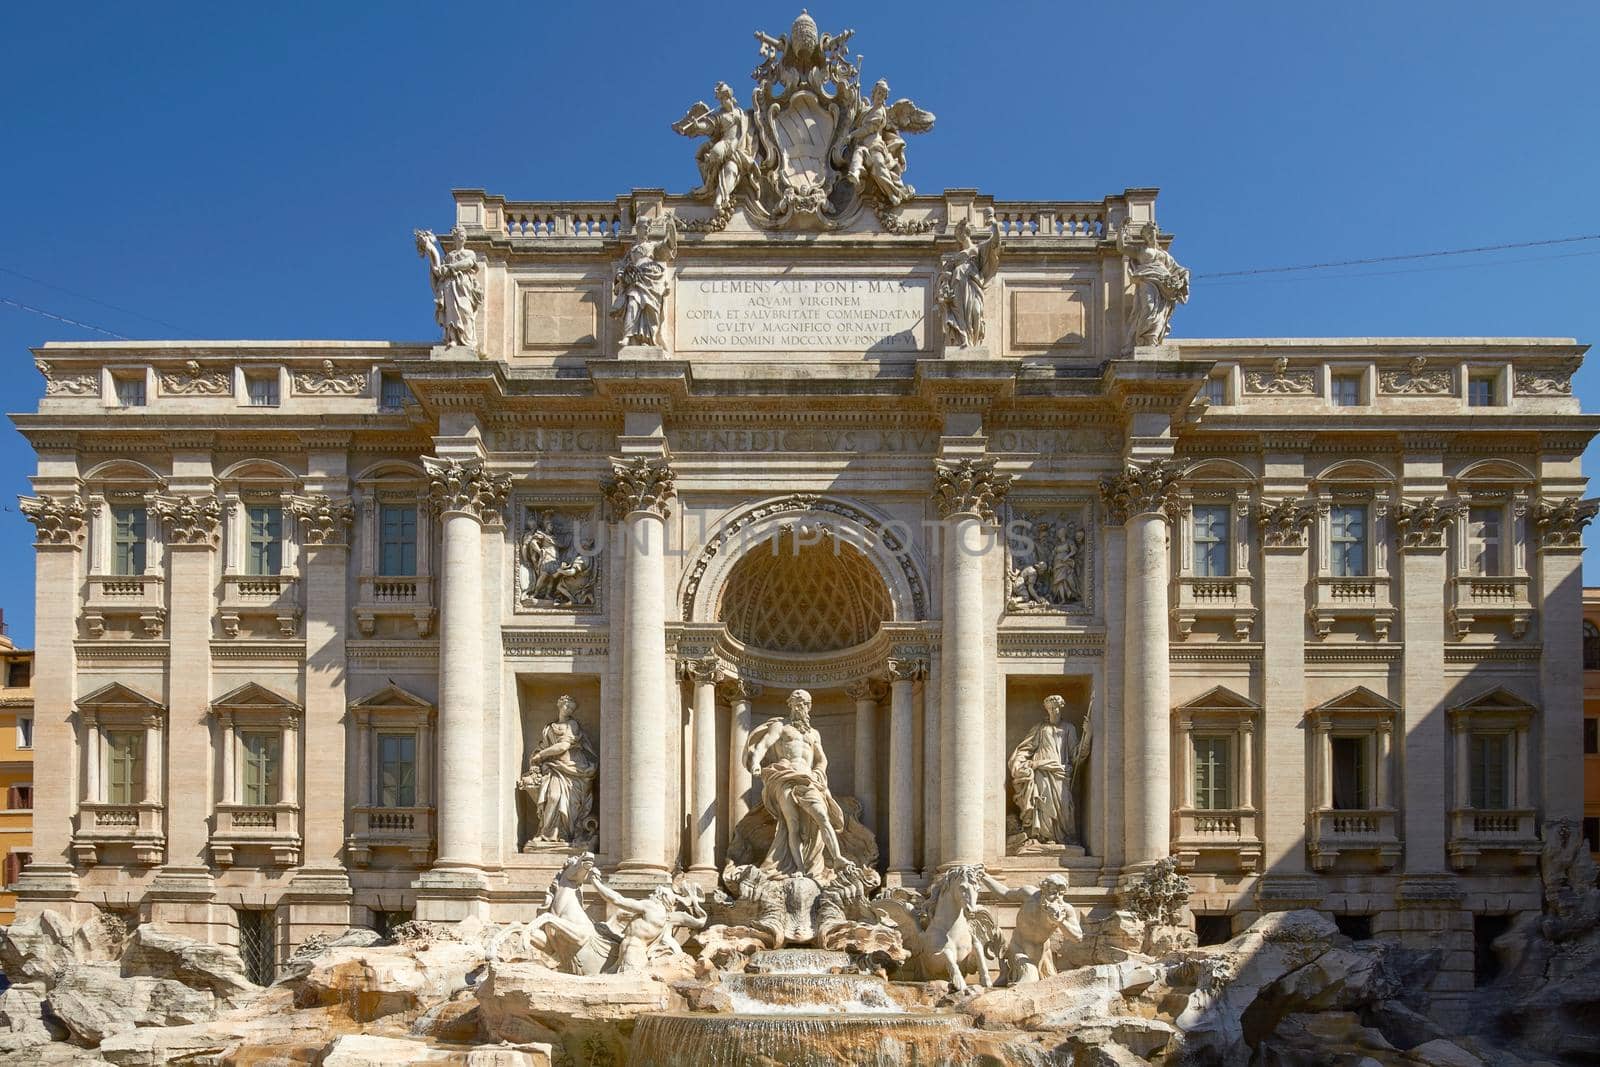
[[810, 153]]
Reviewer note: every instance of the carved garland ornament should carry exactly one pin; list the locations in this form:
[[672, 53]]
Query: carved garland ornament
[[86, 383], [969, 487], [326, 381], [195, 380], [326, 520], [1547, 382], [1415, 380], [58, 519], [1140, 489], [1559, 524], [1422, 523], [191, 520], [642, 484], [464, 485], [1283, 523], [1282, 381]]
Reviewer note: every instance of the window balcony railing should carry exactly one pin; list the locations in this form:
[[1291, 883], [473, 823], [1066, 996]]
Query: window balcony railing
[[1231, 599], [276, 596], [1367, 598], [377, 827], [1507, 831], [1499, 597], [1230, 834], [408, 596], [137, 596], [272, 827], [138, 827], [1362, 830]]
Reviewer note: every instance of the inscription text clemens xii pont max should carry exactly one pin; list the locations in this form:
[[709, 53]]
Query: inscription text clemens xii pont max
[[785, 314]]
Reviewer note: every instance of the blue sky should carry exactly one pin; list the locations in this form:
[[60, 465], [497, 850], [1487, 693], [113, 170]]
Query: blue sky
[[233, 170]]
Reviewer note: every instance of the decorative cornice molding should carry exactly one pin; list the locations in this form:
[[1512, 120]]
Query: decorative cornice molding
[[466, 486], [191, 520], [1559, 524], [58, 519], [644, 483], [1149, 488], [1284, 523], [968, 487], [326, 520], [1422, 523]]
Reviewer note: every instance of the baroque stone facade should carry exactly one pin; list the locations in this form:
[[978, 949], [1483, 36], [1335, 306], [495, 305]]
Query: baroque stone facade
[[456, 613]]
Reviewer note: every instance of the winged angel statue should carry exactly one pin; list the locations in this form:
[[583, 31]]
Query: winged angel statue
[[809, 127]]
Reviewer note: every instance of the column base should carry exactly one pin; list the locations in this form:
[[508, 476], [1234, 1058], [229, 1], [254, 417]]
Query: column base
[[637, 879], [44, 884], [319, 902], [906, 877], [451, 896], [182, 900]]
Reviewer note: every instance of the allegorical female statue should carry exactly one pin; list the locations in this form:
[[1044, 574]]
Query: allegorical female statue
[[1159, 284], [729, 157], [1044, 776], [877, 152], [966, 271], [639, 286], [559, 781], [457, 286]]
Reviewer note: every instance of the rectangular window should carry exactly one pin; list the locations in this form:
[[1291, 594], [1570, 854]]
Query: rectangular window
[[1211, 542], [1215, 390], [397, 540], [264, 540], [256, 946], [19, 672], [1491, 766], [262, 756], [393, 393], [397, 770], [19, 798], [262, 390], [125, 766], [1481, 390], [1348, 530], [25, 731], [127, 540], [1483, 540], [1350, 773], [1213, 773], [130, 390], [1591, 736], [1347, 390]]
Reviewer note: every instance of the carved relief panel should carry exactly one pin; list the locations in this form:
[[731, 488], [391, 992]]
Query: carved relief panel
[[1049, 557], [558, 556]]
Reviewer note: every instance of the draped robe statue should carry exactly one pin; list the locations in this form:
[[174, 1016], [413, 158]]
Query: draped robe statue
[[787, 755], [1159, 285], [966, 272], [457, 286], [1044, 776], [559, 782], [640, 283]]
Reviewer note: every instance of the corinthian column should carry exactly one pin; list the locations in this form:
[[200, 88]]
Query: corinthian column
[[704, 673], [866, 693], [639, 492], [966, 493], [466, 496], [739, 694], [903, 676], [1137, 500]]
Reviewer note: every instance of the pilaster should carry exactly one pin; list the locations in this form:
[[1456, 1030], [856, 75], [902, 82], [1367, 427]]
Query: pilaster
[[1283, 526], [1558, 529]]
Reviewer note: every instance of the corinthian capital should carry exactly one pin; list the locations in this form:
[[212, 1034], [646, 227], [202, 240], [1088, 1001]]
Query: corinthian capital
[[1422, 523], [1283, 523], [58, 519], [1141, 488], [641, 484], [1559, 523], [907, 670], [191, 520], [464, 485], [325, 519], [969, 487]]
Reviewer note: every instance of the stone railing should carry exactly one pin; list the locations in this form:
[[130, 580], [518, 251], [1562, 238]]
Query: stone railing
[[113, 595], [546, 220], [272, 827], [137, 826], [1367, 598], [1048, 219], [1231, 600], [1475, 831], [1503, 597], [1364, 830], [409, 596], [275, 595], [1231, 834], [377, 827]]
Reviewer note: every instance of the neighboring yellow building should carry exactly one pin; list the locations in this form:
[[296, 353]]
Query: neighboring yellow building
[[16, 766], [1591, 718]]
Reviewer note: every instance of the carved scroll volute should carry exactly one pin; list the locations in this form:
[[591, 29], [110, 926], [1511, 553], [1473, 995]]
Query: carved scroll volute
[[969, 487], [57, 520], [907, 669], [325, 520], [1422, 524], [464, 485], [1139, 490], [1559, 524], [191, 520], [1285, 523], [704, 668], [641, 484]]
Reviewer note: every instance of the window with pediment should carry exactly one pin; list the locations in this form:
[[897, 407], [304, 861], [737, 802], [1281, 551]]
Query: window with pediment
[[258, 806], [1215, 761], [1351, 551], [261, 594], [394, 816], [1212, 559], [1489, 581], [119, 804], [1352, 814], [125, 581], [1493, 813]]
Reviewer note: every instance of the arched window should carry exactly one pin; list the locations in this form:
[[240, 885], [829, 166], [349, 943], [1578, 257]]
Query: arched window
[[1591, 646]]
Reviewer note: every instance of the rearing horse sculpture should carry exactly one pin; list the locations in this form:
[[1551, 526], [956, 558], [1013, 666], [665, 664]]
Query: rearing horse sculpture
[[563, 929], [951, 932]]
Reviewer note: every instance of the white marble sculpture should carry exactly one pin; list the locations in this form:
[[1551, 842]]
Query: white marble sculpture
[[550, 573], [563, 928], [646, 937], [785, 752], [1044, 775], [640, 284], [962, 279], [1159, 284], [457, 286], [1047, 569], [949, 933], [559, 781], [877, 152], [1044, 918], [727, 160]]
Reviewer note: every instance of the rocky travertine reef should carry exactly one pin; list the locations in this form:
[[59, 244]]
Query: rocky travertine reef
[[1289, 991]]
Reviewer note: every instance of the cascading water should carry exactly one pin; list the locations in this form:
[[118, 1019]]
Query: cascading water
[[789, 1008]]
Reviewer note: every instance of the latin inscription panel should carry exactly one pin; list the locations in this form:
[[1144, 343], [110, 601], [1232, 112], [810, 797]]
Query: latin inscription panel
[[814, 313]]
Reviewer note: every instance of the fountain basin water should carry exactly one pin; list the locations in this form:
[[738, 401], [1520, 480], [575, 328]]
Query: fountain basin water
[[831, 994], [695, 1039], [800, 961]]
